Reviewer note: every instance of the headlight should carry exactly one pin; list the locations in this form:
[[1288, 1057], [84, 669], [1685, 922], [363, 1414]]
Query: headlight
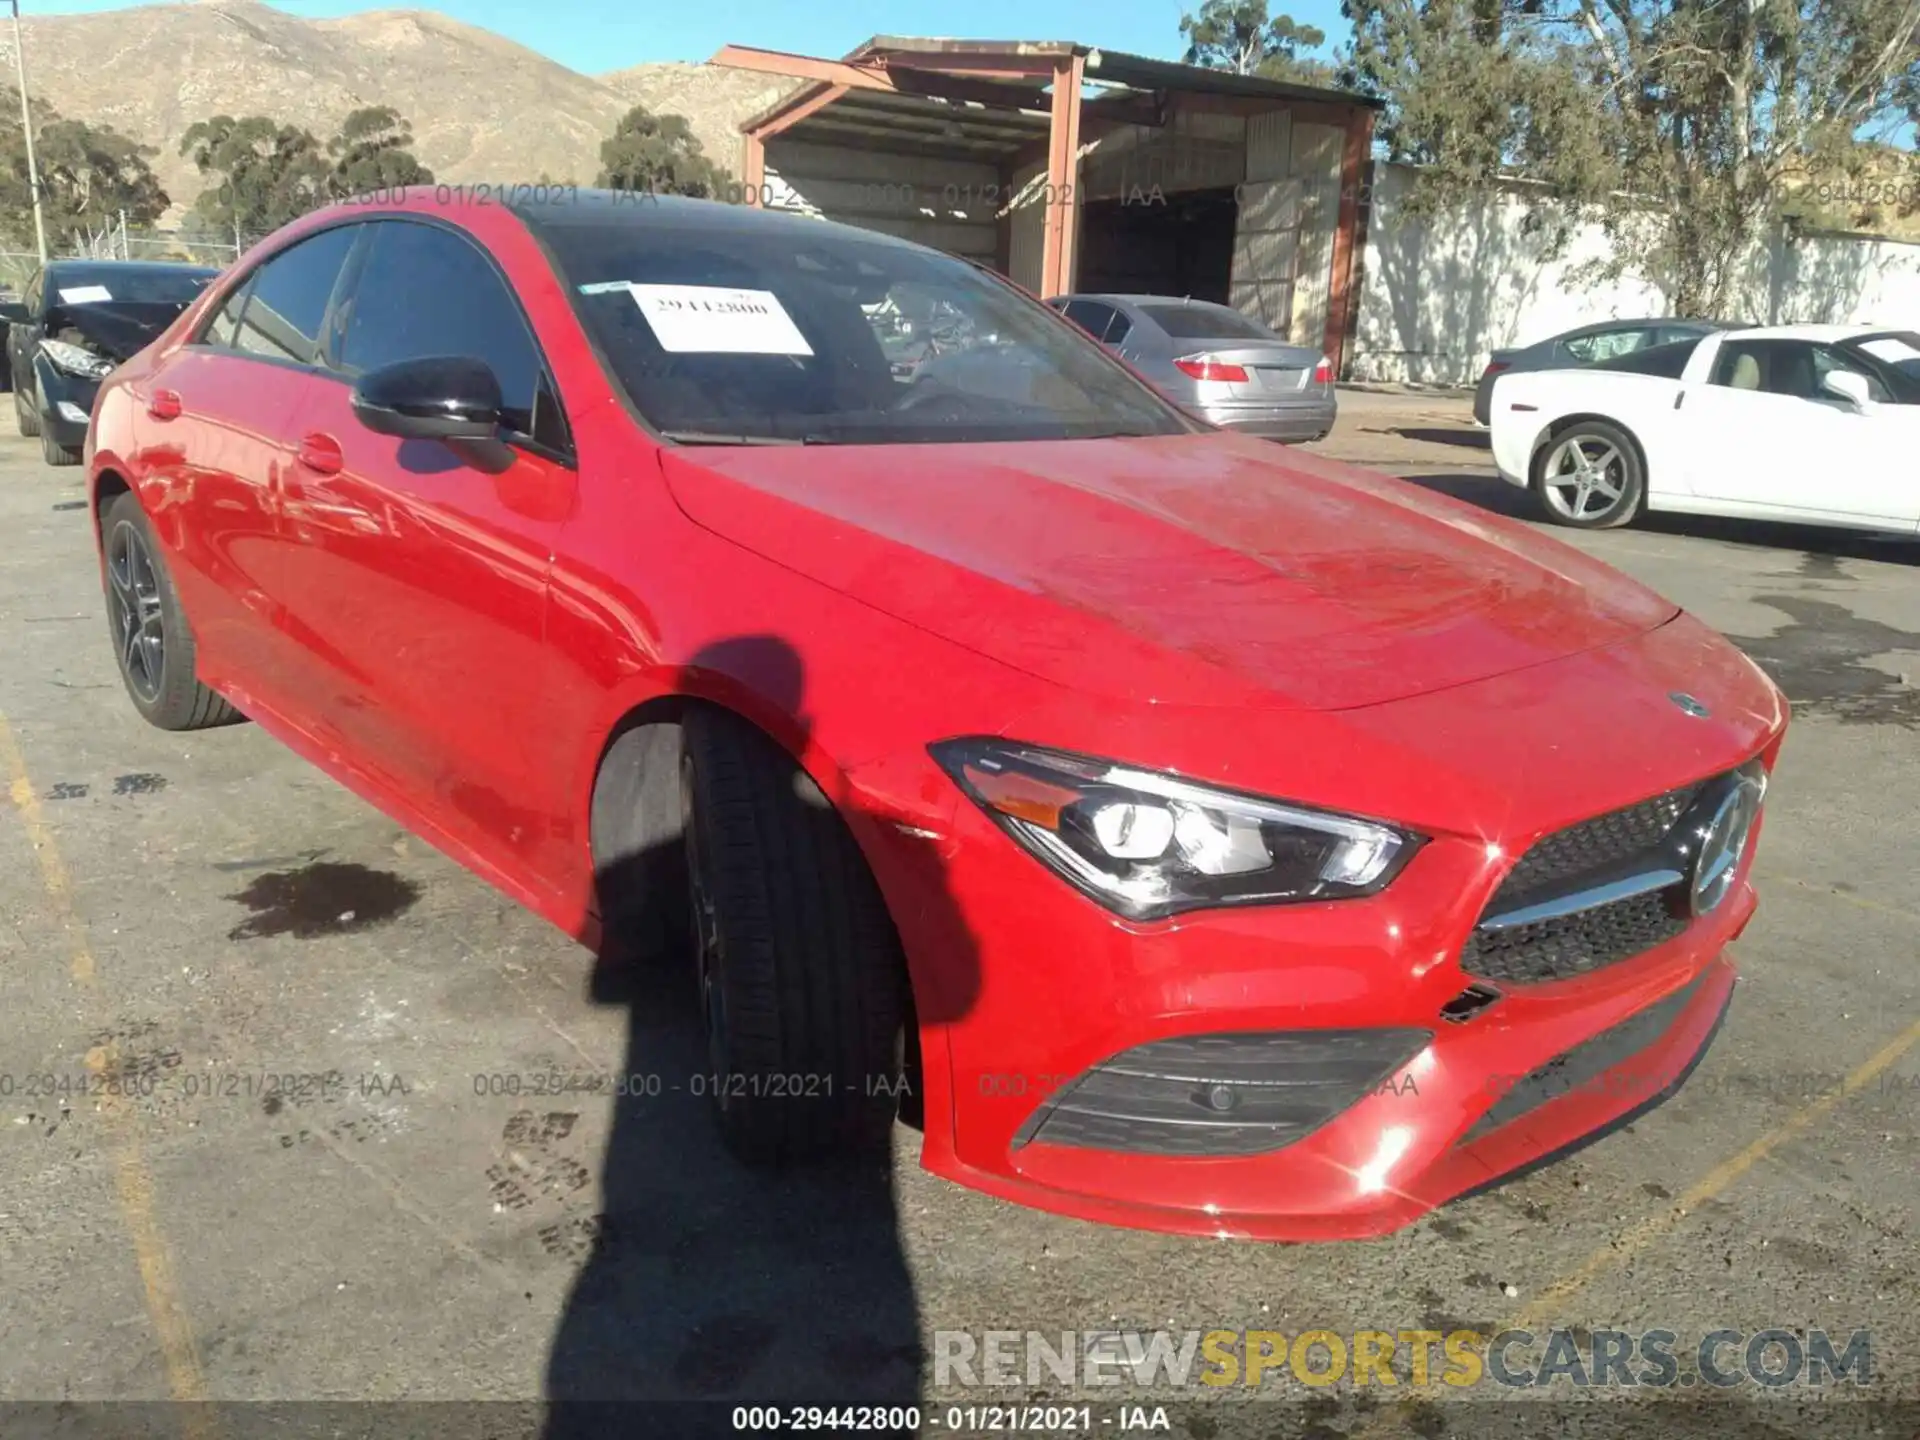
[[1148, 845], [76, 360]]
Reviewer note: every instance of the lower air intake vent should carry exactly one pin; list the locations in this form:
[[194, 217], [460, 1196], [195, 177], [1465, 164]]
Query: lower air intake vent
[[1236, 1094]]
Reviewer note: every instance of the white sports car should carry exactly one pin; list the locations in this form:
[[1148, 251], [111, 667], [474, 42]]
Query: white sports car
[[1818, 424]]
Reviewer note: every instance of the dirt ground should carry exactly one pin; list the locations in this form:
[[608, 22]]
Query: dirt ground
[[335, 1174]]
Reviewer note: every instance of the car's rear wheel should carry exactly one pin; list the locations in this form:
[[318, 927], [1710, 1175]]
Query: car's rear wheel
[[1589, 476], [152, 642], [802, 984], [25, 416], [54, 453]]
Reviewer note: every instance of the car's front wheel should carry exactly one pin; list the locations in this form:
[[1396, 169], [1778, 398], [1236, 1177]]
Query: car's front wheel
[[802, 985], [152, 642], [54, 453], [1589, 476]]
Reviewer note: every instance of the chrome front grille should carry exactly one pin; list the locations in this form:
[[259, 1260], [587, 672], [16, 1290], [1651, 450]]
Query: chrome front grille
[[1593, 845], [1592, 895], [1572, 944]]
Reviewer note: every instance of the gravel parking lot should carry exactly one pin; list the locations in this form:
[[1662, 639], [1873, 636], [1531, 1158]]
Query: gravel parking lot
[[272, 1123]]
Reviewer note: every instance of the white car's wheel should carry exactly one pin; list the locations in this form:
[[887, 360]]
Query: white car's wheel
[[1589, 476]]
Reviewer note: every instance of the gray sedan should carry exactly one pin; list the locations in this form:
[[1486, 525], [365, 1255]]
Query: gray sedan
[[1214, 362], [1605, 341]]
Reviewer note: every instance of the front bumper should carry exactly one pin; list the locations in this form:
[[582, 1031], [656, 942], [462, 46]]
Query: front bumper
[[1033, 985], [66, 402], [1419, 1137], [1307, 420]]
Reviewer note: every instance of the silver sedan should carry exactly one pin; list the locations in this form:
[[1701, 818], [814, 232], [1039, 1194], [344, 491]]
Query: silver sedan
[[1214, 362]]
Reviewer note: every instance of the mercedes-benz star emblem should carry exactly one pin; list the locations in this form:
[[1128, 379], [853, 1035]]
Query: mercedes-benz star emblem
[[1689, 705], [1723, 840]]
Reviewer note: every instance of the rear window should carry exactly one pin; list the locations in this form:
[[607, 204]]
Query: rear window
[[1669, 362], [104, 284], [1205, 322]]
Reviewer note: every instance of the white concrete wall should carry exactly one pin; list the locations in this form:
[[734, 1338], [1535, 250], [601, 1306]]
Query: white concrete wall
[[1440, 292]]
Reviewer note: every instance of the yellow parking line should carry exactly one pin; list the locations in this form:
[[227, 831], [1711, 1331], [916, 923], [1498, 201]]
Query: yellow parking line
[[133, 1180], [1543, 1309], [1860, 901], [1615, 1252]]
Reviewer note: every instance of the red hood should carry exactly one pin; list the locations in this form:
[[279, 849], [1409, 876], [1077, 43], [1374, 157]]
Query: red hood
[[1194, 569]]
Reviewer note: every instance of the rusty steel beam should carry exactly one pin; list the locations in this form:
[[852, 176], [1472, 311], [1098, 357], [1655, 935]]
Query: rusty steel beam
[[1340, 289], [1063, 170]]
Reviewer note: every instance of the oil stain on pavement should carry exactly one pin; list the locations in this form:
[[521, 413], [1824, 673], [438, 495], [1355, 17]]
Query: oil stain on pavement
[[1820, 658], [325, 898]]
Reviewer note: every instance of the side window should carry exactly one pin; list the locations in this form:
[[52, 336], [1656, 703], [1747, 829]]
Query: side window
[[1773, 367], [1117, 329], [287, 298], [224, 329], [1089, 316], [1740, 366], [426, 291]]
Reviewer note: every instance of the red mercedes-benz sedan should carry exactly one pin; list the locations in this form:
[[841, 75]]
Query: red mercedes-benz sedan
[[1185, 832]]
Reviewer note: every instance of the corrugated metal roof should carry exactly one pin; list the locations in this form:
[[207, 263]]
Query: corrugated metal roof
[[1141, 72]]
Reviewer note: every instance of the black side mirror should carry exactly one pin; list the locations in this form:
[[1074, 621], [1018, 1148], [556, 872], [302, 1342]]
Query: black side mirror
[[437, 397], [14, 312]]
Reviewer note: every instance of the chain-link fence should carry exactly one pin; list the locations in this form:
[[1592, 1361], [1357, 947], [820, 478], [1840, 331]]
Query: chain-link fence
[[17, 267]]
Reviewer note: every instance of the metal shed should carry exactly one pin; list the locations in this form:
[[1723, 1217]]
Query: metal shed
[[1070, 167]]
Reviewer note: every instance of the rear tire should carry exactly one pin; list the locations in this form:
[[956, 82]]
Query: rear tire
[[801, 978], [1589, 477], [24, 415], [54, 453], [152, 642]]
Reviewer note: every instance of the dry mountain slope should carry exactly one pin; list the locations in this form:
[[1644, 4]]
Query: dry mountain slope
[[482, 107], [714, 98]]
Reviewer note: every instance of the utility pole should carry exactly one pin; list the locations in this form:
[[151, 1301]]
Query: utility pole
[[26, 128]]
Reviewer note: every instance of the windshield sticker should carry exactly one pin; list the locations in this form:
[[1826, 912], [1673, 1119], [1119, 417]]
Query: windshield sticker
[[715, 320], [85, 295]]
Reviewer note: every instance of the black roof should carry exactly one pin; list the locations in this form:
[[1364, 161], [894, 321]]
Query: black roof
[[566, 207], [128, 267]]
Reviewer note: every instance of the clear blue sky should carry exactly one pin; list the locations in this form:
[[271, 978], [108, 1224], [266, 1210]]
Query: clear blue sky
[[598, 35]]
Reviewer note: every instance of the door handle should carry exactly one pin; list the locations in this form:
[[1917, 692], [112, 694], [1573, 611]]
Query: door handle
[[320, 453], [164, 405]]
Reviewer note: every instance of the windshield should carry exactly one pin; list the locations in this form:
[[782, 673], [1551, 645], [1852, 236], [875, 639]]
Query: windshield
[[724, 331], [106, 284], [1204, 322], [1896, 354]]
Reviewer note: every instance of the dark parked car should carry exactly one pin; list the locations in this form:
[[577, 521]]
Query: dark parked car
[[1214, 362], [77, 320], [1607, 340]]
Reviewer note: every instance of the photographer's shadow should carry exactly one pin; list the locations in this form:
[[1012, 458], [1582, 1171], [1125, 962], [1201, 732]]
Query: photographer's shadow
[[709, 1280]]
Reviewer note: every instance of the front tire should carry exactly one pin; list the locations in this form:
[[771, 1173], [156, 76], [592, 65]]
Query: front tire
[[152, 642], [25, 416], [54, 453], [1589, 477], [801, 978]]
